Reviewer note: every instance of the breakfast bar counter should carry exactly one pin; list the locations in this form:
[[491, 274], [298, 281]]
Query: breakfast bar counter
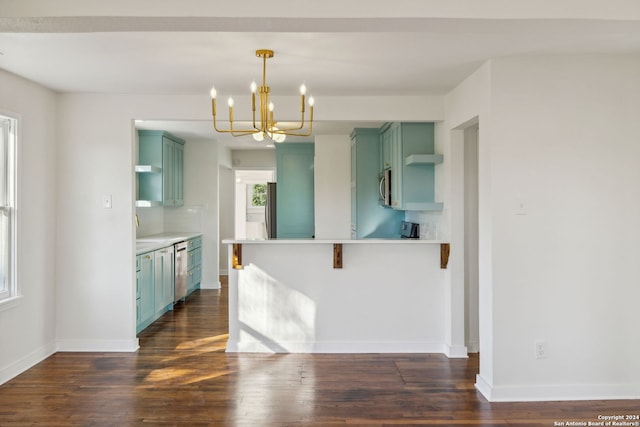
[[337, 296]]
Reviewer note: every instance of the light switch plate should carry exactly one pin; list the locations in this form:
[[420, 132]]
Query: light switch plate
[[520, 207], [106, 201]]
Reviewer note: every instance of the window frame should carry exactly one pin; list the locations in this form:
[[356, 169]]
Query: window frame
[[249, 197], [10, 295]]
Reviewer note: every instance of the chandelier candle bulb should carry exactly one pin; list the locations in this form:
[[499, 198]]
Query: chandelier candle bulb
[[213, 92], [254, 86], [230, 102]]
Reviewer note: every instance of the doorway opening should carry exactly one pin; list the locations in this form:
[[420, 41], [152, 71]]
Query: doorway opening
[[250, 201], [471, 227]]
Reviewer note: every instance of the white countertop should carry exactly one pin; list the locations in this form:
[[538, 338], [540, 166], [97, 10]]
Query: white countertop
[[158, 241], [331, 241]]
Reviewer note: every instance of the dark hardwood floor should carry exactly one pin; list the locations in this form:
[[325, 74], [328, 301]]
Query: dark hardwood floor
[[181, 376]]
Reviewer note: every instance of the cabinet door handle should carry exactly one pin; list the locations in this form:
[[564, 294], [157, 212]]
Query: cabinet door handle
[[148, 257]]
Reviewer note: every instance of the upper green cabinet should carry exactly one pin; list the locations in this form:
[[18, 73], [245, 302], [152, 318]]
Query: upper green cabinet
[[369, 219], [295, 215], [160, 169], [411, 154]]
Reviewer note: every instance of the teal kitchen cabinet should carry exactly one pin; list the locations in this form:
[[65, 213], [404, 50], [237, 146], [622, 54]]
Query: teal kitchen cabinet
[[194, 264], [163, 279], [145, 303], [369, 218], [295, 195], [155, 280], [160, 169], [385, 150], [138, 279], [413, 163]]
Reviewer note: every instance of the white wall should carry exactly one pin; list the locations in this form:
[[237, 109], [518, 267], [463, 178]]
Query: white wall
[[28, 326], [253, 159], [467, 105], [95, 265], [95, 273], [332, 182], [567, 272]]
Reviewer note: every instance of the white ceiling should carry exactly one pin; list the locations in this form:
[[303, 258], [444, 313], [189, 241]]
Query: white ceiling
[[400, 56]]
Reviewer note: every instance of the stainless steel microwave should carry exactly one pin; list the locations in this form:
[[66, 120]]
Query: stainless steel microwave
[[385, 188]]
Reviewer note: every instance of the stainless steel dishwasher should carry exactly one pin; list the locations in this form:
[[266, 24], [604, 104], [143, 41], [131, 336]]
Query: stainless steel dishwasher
[[180, 284]]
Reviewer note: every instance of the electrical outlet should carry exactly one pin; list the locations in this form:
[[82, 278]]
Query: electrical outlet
[[541, 350]]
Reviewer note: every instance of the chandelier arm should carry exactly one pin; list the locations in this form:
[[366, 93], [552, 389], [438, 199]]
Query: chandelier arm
[[234, 132], [302, 124], [264, 119], [253, 108], [307, 133]]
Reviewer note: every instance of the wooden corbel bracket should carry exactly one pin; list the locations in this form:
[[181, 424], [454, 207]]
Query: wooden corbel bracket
[[236, 258], [445, 248], [337, 255]]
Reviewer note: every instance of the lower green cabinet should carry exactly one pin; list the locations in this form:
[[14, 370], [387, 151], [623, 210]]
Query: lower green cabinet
[[145, 282], [164, 279], [155, 280], [194, 264], [154, 286]]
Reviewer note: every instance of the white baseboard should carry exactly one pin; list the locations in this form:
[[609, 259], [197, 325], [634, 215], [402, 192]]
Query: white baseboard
[[224, 272], [334, 347], [98, 345], [456, 351], [484, 387], [16, 368], [210, 285], [560, 392], [473, 347]]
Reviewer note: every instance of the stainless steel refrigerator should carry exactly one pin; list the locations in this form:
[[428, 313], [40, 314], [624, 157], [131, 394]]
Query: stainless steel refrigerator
[[270, 211]]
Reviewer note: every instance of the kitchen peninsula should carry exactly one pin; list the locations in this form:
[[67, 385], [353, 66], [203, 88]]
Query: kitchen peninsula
[[337, 296]]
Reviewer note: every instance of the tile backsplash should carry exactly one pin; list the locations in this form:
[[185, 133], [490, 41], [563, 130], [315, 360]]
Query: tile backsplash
[[166, 220], [433, 225], [151, 221], [185, 218]]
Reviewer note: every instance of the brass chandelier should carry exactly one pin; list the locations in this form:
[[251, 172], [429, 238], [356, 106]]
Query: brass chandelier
[[267, 126]]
